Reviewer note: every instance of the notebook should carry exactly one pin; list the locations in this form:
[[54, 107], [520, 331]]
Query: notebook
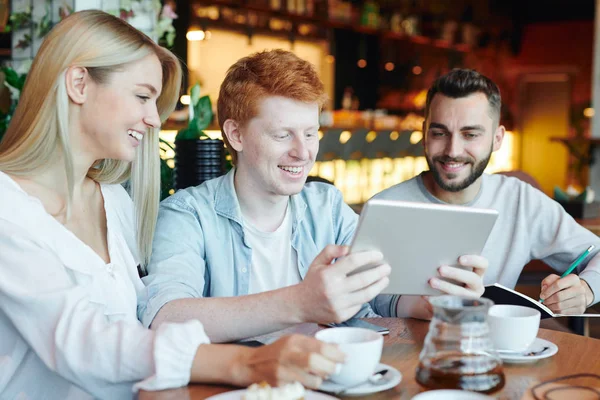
[[502, 295]]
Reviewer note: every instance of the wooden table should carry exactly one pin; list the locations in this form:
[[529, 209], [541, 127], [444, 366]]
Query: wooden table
[[576, 354]]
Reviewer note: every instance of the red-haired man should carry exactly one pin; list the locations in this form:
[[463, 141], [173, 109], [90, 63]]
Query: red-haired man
[[258, 250]]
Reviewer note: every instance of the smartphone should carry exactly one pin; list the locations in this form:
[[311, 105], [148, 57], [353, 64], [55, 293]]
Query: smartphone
[[249, 343], [359, 323]]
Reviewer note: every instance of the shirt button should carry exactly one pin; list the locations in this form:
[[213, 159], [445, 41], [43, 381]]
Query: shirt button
[[244, 270]]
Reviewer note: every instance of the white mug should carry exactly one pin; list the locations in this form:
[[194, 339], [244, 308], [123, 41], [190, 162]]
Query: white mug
[[513, 328], [363, 351]]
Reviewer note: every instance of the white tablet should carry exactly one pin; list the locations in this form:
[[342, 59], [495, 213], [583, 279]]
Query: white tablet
[[417, 238]]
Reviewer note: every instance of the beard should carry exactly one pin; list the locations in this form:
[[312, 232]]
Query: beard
[[476, 171]]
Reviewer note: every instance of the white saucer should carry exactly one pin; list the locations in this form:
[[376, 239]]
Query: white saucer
[[393, 376], [239, 395], [451, 394], [541, 347]]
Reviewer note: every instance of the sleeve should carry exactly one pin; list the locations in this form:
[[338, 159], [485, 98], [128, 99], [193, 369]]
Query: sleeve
[[557, 239], [591, 274], [73, 337], [177, 268], [386, 305], [346, 221]]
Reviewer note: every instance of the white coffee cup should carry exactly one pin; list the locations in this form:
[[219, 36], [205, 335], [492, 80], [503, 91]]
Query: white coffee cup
[[513, 328], [363, 351]]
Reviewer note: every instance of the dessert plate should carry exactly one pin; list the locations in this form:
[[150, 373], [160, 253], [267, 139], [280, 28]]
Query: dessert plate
[[239, 395]]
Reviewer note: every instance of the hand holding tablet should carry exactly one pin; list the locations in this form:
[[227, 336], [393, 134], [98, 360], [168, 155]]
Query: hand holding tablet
[[417, 239]]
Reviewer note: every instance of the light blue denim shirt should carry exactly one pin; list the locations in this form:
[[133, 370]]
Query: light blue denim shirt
[[200, 250]]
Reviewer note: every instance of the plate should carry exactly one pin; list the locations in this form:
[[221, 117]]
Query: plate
[[451, 394], [239, 395], [538, 350], [393, 375]]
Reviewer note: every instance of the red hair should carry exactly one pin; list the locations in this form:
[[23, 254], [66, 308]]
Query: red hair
[[263, 74]]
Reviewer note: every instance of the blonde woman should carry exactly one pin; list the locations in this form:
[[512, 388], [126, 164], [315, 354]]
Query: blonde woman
[[88, 119]]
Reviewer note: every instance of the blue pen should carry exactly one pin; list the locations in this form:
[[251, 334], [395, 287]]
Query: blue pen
[[576, 263]]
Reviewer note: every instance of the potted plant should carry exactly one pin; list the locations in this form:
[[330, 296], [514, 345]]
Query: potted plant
[[198, 158], [166, 169], [13, 81]]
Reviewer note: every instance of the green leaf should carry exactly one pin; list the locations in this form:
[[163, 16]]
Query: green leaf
[[190, 133], [194, 95], [11, 77], [203, 113], [166, 179], [170, 38], [201, 116], [21, 82], [163, 143]]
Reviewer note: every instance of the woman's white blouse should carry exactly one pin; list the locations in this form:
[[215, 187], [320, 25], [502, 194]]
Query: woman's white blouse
[[68, 325]]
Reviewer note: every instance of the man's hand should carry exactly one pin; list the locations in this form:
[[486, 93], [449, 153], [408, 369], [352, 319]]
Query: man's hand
[[568, 295], [470, 283], [293, 358], [327, 294]]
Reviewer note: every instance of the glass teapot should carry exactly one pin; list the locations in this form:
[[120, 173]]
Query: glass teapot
[[458, 352]]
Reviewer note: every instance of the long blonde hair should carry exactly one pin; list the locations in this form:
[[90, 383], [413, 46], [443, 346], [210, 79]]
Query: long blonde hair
[[38, 133]]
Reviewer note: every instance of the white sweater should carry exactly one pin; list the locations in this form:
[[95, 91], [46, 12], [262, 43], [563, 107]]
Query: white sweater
[[530, 226]]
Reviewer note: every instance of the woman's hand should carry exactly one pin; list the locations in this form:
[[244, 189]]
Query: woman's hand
[[292, 358]]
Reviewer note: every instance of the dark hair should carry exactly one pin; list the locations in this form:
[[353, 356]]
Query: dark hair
[[462, 83]]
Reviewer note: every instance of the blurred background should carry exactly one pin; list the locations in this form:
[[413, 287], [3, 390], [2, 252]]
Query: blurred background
[[377, 58]]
